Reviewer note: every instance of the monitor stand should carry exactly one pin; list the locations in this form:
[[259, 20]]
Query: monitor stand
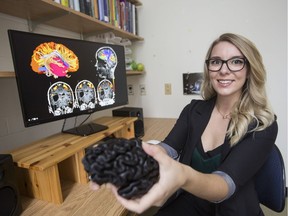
[[86, 129]]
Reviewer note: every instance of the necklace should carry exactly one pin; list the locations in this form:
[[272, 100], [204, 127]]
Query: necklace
[[224, 116]]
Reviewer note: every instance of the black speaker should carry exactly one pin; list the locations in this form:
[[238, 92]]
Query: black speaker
[[10, 203], [132, 112]]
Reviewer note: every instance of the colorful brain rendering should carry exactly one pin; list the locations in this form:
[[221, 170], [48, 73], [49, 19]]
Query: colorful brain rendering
[[53, 59], [108, 56]]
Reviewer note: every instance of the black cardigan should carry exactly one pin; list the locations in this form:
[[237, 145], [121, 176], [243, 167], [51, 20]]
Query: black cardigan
[[240, 162]]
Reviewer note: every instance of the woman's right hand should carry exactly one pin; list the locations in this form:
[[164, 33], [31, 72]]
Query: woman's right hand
[[94, 186], [172, 177]]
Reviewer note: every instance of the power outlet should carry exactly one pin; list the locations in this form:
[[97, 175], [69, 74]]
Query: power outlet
[[130, 89], [168, 88], [142, 89]]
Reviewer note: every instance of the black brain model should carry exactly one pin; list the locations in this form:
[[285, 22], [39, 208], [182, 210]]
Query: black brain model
[[123, 163]]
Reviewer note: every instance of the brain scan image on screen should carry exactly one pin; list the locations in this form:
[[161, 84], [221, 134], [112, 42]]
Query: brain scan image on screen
[[105, 92], [85, 94], [60, 99], [106, 62], [53, 59]]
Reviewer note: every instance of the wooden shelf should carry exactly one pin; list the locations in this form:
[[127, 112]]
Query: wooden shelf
[[56, 15], [131, 72], [11, 74], [7, 74], [136, 2]]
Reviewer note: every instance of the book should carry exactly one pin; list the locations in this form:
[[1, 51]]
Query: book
[[65, 3], [123, 14], [111, 11], [82, 6], [101, 10], [95, 9], [128, 16], [76, 5], [106, 11], [136, 21], [86, 7], [118, 13], [71, 4], [133, 19]]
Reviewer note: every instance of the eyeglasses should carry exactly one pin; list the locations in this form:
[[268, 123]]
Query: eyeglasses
[[234, 64]]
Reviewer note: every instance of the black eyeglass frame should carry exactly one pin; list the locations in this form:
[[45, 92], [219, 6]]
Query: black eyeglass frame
[[225, 61]]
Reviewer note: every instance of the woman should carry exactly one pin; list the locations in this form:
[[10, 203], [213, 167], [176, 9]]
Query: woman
[[220, 142]]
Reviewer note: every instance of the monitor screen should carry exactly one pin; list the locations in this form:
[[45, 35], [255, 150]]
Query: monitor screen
[[60, 77]]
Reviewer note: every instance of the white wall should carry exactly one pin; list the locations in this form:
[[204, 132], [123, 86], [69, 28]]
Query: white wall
[[177, 35]]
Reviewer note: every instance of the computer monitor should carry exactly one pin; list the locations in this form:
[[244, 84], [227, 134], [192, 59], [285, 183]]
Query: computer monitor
[[59, 78]]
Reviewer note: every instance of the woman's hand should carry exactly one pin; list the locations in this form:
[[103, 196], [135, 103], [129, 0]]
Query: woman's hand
[[171, 178], [173, 175], [94, 186]]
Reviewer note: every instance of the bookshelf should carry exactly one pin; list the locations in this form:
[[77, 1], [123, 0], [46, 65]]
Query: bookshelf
[[56, 15], [51, 13]]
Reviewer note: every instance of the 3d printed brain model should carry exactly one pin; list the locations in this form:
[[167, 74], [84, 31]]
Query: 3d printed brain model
[[123, 163]]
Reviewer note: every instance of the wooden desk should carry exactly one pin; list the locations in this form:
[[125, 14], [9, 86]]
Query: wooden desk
[[41, 164], [80, 199], [157, 128]]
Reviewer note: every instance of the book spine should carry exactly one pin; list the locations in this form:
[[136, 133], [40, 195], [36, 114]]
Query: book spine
[[71, 4], [65, 3], [88, 7], [122, 14], [112, 12], [131, 17], [82, 6], [95, 9], [133, 20], [136, 21], [128, 16], [106, 11], [101, 10], [117, 13], [76, 5]]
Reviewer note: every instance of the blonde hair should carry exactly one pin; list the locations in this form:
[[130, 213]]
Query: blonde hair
[[253, 106]]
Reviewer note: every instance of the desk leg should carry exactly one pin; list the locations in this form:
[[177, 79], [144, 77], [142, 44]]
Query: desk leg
[[72, 168], [126, 132], [82, 175], [44, 185]]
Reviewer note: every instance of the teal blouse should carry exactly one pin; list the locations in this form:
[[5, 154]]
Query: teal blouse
[[206, 162]]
